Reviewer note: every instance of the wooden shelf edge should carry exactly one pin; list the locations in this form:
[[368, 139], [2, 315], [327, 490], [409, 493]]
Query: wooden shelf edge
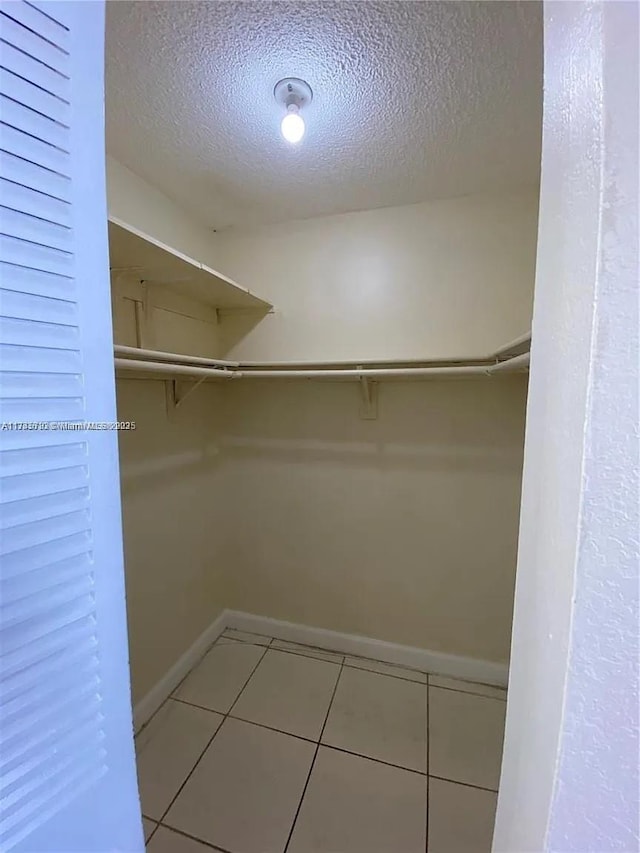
[[133, 251]]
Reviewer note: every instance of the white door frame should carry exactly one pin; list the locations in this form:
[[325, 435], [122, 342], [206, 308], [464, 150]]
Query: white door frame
[[570, 767]]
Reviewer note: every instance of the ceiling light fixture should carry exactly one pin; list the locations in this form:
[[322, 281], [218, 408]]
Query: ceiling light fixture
[[293, 94]]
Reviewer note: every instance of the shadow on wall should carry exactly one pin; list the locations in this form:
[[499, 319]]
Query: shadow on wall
[[403, 528], [236, 324]]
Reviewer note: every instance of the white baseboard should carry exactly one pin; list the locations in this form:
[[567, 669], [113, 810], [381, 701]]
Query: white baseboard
[[150, 703], [472, 669]]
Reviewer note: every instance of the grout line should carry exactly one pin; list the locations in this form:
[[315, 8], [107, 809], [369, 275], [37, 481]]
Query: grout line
[[464, 784], [271, 728], [176, 688], [299, 653], [248, 679], [465, 681], [388, 674], [248, 633], [194, 838], [301, 649], [333, 696], [303, 738], [426, 834], [376, 760], [255, 642], [201, 707], [469, 692], [313, 761], [387, 663], [147, 840], [211, 739], [196, 664]]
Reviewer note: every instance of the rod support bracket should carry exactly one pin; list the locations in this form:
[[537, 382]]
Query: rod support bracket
[[177, 391], [368, 398]]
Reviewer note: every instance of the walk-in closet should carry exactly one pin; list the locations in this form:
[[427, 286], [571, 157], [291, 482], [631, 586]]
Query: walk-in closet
[[319, 426], [321, 349]]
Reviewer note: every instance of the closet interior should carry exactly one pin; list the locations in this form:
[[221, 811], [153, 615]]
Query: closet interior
[[321, 465]]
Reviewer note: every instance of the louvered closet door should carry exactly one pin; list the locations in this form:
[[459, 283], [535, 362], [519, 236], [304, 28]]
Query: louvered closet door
[[67, 770]]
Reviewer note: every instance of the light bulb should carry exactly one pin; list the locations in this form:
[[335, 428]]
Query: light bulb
[[292, 126]]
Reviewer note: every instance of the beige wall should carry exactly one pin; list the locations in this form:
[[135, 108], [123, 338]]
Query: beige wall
[[402, 528], [444, 278], [277, 499], [136, 202], [171, 495]]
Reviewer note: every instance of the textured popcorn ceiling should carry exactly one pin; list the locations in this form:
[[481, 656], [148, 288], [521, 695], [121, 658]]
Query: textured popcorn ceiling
[[412, 100]]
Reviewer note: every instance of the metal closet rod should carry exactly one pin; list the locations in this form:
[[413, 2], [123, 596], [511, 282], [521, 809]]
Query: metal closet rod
[[173, 369], [157, 355], [516, 363], [518, 342], [342, 367]]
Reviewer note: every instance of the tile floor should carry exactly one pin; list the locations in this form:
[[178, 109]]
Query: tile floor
[[268, 746]]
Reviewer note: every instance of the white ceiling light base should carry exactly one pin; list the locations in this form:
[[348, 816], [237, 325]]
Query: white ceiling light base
[[292, 91]]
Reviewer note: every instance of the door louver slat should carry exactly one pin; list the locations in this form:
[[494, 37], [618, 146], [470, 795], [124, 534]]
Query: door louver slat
[[34, 97], [34, 533], [34, 45], [39, 22], [54, 665], [50, 506], [30, 68], [45, 646], [45, 484], [18, 141], [34, 202], [41, 125], [40, 359], [52, 456], [67, 787], [34, 175]]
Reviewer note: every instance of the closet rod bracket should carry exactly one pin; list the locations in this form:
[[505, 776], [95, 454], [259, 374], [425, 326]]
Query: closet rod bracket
[[368, 398], [177, 391]]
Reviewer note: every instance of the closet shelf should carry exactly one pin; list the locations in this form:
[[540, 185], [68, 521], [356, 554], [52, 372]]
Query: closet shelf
[[144, 362], [135, 253]]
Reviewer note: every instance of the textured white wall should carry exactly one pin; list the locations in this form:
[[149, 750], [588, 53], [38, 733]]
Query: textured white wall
[[570, 767], [412, 101], [445, 278]]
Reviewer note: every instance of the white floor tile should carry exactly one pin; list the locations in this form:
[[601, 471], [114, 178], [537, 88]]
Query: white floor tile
[[290, 693], [246, 637], [465, 737], [244, 793], [467, 686], [386, 669], [460, 818], [167, 750], [147, 827], [354, 805], [309, 651], [167, 841], [379, 717], [218, 679]]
